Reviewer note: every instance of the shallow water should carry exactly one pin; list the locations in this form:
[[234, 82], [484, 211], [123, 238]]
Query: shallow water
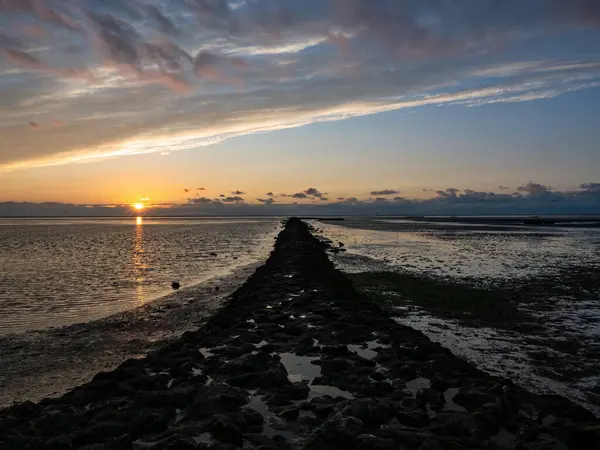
[[451, 250], [56, 272], [557, 353]]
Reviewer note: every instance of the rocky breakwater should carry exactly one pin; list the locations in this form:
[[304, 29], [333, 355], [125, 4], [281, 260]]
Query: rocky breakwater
[[299, 359]]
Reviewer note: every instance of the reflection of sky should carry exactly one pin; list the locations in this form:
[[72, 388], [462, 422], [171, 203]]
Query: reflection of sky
[[441, 94], [478, 254]]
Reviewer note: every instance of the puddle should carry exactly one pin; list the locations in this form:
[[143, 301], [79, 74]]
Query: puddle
[[154, 374], [206, 352], [450, 405], [367, 350], [170, 383], [417, 385], [504, 440], [251, 321], [261, 344], [204, 438], [300, 368], [332, 391], [197, 372], [273, 425]]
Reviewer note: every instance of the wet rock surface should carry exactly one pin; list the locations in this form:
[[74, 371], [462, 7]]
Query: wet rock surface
[[299, 359]]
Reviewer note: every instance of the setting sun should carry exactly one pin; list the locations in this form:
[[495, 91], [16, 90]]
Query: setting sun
[[138, 206]]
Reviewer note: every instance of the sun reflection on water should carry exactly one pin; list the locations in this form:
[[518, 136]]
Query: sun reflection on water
[[139, 261]]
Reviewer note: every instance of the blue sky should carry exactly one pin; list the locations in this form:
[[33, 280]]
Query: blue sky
[[105, 102]]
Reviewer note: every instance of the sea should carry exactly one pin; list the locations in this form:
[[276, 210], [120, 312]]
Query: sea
[[80, 295], [57, 272], [557, 351]]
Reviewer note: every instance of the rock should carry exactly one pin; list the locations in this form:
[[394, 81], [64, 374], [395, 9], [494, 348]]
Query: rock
[[221, 398], [430, 396], [472, 399], [26, 410], [175, 285], [413, 418], [377, 376], [333, 365], [121, 443], [455, 424], [431, 444], [371, 442], [339, 431], [335, 350], [225, 430], [290, 413]]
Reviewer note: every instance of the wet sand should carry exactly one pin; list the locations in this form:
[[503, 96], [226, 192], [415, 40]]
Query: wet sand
[[48, 363], [298, 358]]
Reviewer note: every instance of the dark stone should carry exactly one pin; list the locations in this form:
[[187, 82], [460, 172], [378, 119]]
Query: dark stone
[[26, 410], [371, 442], [377, 376], [175, 285], [221, 398], [120, 443], [290, 413], [413, 418], [224, 429], [473, 399], [430, 396], [456, 424], [339, 431], [333, 365], [254, 420], [335, 350]]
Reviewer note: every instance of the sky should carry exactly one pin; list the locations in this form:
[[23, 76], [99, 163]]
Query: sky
[[282, 106]]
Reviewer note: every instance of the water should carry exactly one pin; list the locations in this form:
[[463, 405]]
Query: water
[[56, 272], [554, 350], [461, 251]]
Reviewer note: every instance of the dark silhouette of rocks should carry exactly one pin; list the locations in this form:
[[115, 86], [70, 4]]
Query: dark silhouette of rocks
[[299, 359]]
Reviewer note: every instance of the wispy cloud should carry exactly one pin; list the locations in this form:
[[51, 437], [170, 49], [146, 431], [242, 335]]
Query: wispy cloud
[[107, 69]]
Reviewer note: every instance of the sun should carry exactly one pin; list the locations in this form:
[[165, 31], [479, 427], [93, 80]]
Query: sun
[[138, 206]]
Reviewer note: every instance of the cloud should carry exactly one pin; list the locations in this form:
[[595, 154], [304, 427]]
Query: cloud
[[313, 192], [203, 201], [585, 200], [186, 190], [110, 67], [448, 194], [535, 189], [385, 192], [200, 189], [270, 194], [238, 193], [503, 188], [236, 199], [590, 187]]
